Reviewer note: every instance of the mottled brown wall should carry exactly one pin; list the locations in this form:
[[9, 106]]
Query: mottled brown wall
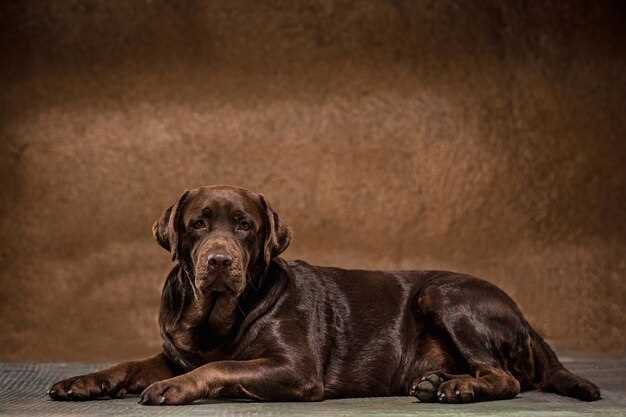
[[487, 137]]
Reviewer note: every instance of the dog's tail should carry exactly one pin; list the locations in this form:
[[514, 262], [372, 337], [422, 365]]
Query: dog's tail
[[552, 376]]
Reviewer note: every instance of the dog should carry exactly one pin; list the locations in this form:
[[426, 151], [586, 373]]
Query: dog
[[238, 321]]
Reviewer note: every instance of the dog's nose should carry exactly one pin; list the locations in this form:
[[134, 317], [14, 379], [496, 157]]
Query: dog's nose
[[219, 261]]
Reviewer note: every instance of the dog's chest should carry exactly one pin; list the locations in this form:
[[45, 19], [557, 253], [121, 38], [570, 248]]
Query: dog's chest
[[190, 341]]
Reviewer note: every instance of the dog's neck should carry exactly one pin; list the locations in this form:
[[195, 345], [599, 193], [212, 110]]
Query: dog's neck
[[210, 315], [197, 325], [196, 332], [205, 319]]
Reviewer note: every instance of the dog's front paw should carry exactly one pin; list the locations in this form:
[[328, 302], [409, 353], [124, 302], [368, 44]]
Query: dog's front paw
[[174, 391], [86, 387]]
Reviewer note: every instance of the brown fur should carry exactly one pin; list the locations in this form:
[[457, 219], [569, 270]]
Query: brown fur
[[237, 321]]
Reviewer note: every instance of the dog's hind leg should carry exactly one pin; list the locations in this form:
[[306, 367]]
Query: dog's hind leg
[[433, 360], [484, 328]]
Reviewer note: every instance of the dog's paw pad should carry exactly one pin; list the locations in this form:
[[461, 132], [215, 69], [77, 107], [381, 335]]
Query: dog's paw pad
[[425, 388]]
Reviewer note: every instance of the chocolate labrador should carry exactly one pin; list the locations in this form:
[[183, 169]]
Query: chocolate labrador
[[237, 321]]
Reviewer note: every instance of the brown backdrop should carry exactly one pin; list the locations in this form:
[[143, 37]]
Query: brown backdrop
[[473, 136]]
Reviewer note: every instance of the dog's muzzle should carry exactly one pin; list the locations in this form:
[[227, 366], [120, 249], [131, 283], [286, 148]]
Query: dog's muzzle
[[220, 267]]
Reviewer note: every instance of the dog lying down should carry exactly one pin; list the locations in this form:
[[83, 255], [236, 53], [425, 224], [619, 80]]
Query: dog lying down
[[238, 321]]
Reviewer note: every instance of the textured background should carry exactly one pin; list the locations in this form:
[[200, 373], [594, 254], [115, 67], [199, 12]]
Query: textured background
[[486, 137]]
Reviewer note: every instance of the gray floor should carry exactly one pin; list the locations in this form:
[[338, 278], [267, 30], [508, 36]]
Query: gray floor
[[23, 387]]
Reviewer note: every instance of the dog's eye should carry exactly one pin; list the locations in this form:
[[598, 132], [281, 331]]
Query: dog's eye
[[244, 225], [198, 224]]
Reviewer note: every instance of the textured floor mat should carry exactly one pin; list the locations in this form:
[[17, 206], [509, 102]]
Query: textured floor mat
[[23, 393]]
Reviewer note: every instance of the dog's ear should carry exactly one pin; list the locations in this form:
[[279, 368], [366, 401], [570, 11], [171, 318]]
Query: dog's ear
[[166, 229], [159, 229], [277, 234]]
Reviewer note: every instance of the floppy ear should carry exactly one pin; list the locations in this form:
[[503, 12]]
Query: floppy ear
[[278, 234], [166, 228]]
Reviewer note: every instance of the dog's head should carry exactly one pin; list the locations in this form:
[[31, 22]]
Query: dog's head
[[224, 236]]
